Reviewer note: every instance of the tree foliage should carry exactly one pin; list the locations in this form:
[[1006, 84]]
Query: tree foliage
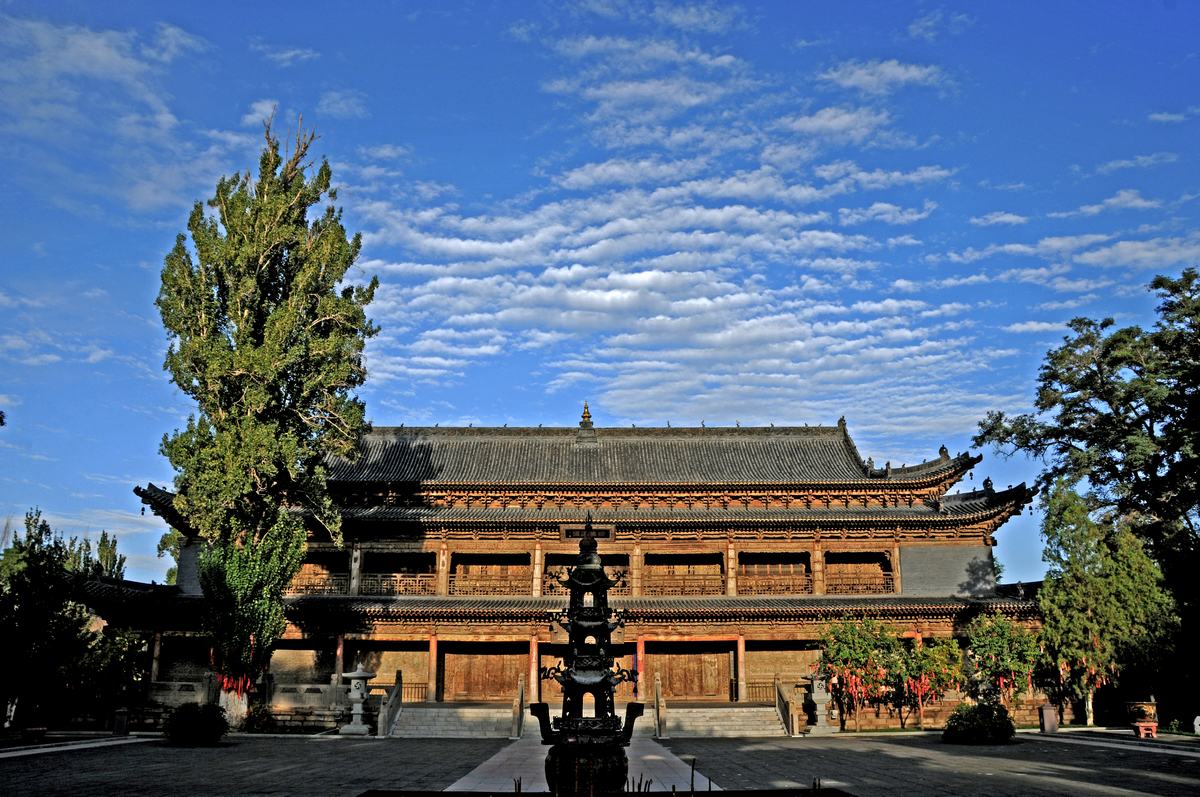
[[104, 561], [268, 341], [1000, 659], [857, 661], [922, 673], [1103, 600], [1117, 409], [55, 663], [170, 543]]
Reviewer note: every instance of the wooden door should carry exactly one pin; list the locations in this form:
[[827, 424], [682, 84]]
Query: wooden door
[[690, 671], [481, 673]]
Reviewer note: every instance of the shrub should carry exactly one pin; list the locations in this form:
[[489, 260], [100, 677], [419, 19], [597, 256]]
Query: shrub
[[194, 724], [982, 723], [259, 719]]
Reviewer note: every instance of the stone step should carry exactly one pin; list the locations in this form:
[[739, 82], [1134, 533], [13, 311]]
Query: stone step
[[454, 722], [723, 722]]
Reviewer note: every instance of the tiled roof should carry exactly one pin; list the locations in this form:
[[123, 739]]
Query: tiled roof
[[649, 609], [955, 508], [607, 456]]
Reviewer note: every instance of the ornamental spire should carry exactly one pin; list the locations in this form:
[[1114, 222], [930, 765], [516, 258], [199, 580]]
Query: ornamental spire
[[585, 422]]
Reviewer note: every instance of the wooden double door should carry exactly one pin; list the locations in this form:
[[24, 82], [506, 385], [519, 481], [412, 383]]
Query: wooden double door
[[483, 672], [699, 671]]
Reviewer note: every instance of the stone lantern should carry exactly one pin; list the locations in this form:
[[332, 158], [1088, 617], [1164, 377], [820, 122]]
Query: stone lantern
[[358, 693]]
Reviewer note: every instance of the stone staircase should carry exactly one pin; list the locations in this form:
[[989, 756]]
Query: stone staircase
[[721, 721], [440, 721]]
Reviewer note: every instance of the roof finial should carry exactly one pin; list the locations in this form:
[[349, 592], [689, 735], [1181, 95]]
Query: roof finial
[[585, 422]]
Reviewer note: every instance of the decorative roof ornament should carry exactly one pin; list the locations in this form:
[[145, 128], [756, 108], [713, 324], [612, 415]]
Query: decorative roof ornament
[[585, 422]]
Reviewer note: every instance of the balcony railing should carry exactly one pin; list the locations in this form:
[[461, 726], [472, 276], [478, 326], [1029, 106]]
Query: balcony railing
[[775, 585], [881, 584], [319, 585], [683, 584], [516, 581], [397, 584], [550, 586]]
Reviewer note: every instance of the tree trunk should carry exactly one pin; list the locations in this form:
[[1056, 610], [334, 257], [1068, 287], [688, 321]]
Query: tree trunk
[[1089, 711]]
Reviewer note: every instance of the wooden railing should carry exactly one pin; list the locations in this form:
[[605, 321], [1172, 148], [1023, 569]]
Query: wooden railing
[[774, 585], [881, 584], [413, 692], [760, 691], [551, 586], [397, 584], [683, 584], [319, 585], [517, 581]]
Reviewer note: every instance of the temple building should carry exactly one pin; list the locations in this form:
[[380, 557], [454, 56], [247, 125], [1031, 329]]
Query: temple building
[[738, 546]]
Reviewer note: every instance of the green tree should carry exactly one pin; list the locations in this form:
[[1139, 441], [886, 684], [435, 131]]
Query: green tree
[[42, 628], [1116, 409], [922, 673], [1000, 659], [268, 341], [1103, 600], [104, 561], [170, 543], [857, 661]]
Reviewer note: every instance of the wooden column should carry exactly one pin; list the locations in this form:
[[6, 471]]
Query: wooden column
[[339, 652], [636, 560], [356, 558], [818, 569], [533, 686], [538, 566], [641, 666], [155, 654], [896, 583], [431, 675], [742, 691], [730, 569], [443, 570]]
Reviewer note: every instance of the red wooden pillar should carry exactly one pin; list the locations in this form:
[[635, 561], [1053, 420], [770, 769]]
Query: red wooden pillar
[[431, 676], [533, 686], [640, 657], [742, 694]]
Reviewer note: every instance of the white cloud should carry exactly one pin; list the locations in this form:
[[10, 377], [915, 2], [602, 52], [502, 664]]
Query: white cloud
[[697, 17], [170, 42], [998, 217], [260, 111], [1174, 117], [1160, 253], [1035, 326], [1137, 162], [881, 77], [885, 212], [1053, 246], [284, 56], [933, 24], [849, 124], [1125, 199], [629, 172], [347, 104]]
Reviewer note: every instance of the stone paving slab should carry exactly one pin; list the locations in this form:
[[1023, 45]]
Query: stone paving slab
[[875, 766], [650, 764], [249, 765]]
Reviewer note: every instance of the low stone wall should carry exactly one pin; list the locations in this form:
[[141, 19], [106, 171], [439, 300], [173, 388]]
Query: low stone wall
[[1024, 713]]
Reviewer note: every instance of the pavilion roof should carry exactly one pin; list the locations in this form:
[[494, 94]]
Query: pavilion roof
[[561, 456], [955, 509]]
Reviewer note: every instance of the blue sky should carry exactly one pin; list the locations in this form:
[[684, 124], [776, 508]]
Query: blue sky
[[763, 212]]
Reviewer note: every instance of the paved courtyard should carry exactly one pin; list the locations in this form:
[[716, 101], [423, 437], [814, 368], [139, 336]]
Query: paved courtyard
[[881, 764], [889, 764]]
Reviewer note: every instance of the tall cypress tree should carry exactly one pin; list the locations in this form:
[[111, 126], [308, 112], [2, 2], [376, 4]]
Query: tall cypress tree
[[267, 339], [1103, 598]]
